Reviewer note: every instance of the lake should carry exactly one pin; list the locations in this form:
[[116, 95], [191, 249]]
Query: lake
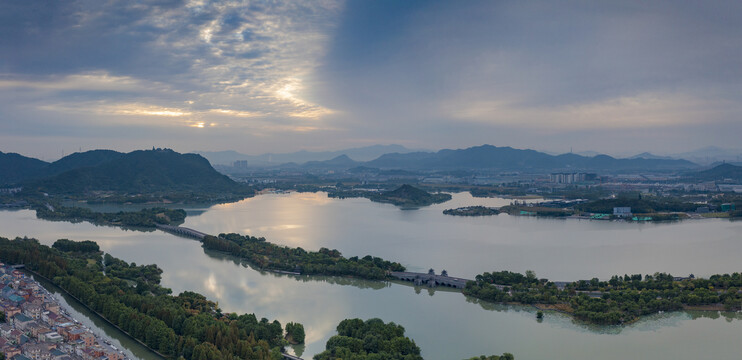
[[445, 324]]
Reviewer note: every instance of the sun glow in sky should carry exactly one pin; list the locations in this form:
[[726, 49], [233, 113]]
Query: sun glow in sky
[[284, 76]]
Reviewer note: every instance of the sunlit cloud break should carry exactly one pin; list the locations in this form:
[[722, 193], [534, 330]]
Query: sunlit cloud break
[[258, 76], [202, 125], [236, 113], [130, 109]]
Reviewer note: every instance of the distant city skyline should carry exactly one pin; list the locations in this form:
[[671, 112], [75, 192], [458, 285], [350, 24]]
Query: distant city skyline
[[258, 77]]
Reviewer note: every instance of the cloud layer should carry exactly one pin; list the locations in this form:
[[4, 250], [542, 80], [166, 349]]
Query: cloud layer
[[274, 76]]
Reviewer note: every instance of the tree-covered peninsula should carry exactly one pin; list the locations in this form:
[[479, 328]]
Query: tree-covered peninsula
[[268, 256], [145, 218], [185, 326], [622, 299]]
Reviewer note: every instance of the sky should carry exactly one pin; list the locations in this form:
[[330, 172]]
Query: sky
[[272, 76]]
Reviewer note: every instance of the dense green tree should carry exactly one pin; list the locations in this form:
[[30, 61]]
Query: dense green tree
[[295, 332], [81, 246], [617, 301], [369, 340]]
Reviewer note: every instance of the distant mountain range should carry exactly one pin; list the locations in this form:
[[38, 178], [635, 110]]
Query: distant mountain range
[[710, 154], [300, 157], [166, 170], [479, 157], [488, 157], [142, 171], [703, 156]]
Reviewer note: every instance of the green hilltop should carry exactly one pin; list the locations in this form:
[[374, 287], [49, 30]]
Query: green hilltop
[[157, 172]]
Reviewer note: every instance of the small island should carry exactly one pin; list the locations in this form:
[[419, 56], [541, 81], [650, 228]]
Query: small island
[[374, 339], [403, 196], [145, 218], [472, 211]]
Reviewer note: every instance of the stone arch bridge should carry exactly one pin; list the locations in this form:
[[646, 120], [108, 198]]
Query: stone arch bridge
[[182, 231], [430, 279]]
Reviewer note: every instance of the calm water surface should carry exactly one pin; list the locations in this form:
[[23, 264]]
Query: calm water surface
[[558, 249], [445, 324]]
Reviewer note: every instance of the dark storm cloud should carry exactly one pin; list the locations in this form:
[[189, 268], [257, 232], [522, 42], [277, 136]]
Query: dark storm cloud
[[62, 37], [557, 52], [507, 67]]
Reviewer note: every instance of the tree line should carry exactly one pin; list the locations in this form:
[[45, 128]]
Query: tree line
[[638, 205], [269, 256], [76, 246], [620, 300]]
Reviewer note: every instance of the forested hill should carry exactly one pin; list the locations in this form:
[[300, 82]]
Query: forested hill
[[16, 167], [143, 171], [80, 160]]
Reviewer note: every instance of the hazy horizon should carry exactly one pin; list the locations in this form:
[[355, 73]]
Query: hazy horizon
[[254, 77]]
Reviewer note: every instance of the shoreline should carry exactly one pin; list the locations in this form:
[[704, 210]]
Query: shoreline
[[688, 217]]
